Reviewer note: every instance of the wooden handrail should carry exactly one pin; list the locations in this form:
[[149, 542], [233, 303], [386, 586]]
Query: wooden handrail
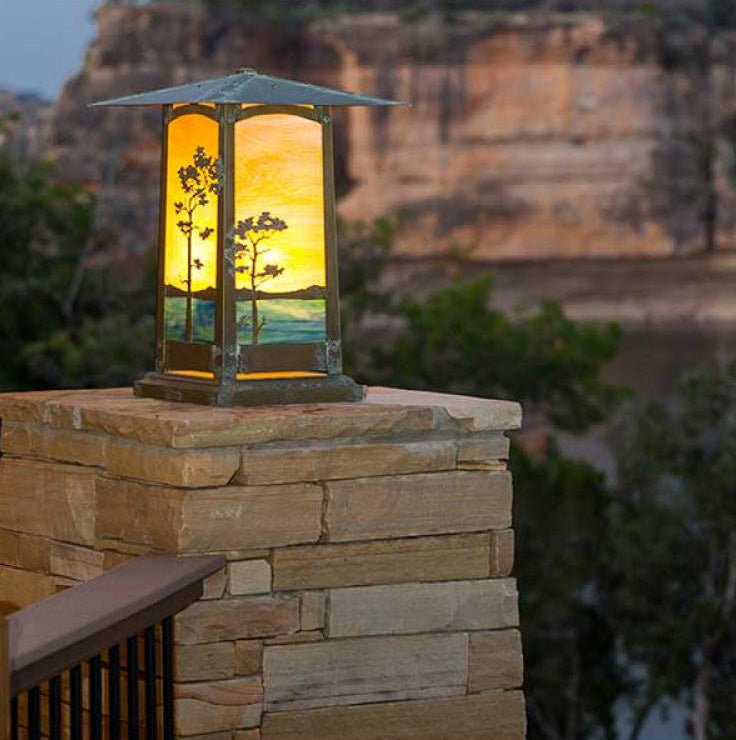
[[62, 631]]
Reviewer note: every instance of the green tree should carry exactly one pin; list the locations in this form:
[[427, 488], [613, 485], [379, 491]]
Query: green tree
[[198, 181], [55, 296], [676, 536]]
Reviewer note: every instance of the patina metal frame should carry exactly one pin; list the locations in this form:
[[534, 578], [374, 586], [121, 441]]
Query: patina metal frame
[[225, 359]]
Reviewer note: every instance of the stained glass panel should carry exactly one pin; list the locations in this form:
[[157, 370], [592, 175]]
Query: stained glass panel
[[279, 235]]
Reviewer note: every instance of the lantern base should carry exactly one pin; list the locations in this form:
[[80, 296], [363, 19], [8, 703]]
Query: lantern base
[[262, 392]]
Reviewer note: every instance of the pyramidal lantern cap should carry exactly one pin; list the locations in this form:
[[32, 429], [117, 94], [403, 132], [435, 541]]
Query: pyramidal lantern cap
[[248, 301]]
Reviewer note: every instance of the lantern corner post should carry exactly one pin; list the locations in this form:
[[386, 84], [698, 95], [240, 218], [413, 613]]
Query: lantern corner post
[[160, 339], [227, 350]]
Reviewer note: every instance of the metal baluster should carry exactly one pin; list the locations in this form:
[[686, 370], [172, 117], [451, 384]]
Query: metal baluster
[[167, 635], [75, 699], [133, 720], [14, 718], [55, 708], [113, 690], [95, 698], [34, 713], [149, 647]]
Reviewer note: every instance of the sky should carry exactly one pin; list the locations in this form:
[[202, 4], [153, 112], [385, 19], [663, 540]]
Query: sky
[[42, 43]]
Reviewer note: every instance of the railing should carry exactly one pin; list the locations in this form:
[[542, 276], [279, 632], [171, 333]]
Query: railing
[[116, 632]]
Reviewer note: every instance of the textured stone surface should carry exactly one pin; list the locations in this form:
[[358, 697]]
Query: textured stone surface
[[364, 671], [332, 462], [248, 657], [250, 577], [313, 611], [502, 552], [36, 440], [48, 499], [215, 585], [498, 716], [19, 588], [211, 661], [234, 619], [384, 412], [216, 706], [77, 563], [207, 520], [488, 447], [427, 503], [423, 607], [25, 551], [190, 469], [452, 557], [495, 661]]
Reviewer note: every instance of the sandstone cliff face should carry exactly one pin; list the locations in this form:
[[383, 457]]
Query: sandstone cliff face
[[528, 137]]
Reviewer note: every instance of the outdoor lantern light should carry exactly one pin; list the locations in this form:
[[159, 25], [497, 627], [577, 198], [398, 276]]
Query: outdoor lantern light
[[248, 301]]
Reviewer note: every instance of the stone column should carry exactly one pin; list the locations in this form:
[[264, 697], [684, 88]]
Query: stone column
[[367, 594]]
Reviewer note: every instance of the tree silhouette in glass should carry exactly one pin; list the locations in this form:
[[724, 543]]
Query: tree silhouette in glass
[[199, 181], [249, 235]]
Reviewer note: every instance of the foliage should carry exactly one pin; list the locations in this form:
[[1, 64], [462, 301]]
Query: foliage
[[249, 234], [64, 322], [455, 342], [676, 531], [573, 678]]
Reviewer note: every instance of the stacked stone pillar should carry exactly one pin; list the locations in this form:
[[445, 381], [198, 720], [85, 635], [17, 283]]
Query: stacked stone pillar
[[368, 591]]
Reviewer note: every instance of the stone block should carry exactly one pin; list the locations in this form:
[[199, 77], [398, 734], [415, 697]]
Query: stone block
[[118, 413], [495, 661], [21, 588], [333, 462], [215, 585], [479, 448], [25, 551], [410, 505], [502, 552], [247, 734], [422, 607], [186, 468], [77, 563], [208, 520], [496, 716], [248, 657], [66, 445], [48, 499], [468, 412], [217, 706], [237, 619], [364, 671], [249, 517], [453, 557], [313, 611], [216, 660], [250, 577]]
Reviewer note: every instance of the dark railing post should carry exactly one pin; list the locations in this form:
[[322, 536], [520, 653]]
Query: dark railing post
[[4, 680]]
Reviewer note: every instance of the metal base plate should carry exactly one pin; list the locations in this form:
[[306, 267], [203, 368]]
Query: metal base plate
[[264, 392]]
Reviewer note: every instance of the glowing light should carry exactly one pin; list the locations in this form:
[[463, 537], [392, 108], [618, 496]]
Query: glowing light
[[185, 134], [278, 169]]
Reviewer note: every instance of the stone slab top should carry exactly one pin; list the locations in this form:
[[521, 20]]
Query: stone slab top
[[385, 412]]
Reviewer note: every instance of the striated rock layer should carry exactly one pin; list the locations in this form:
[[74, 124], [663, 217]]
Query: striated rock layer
[[527, 137]]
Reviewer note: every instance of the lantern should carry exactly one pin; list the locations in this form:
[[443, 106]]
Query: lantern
[[248, 301]]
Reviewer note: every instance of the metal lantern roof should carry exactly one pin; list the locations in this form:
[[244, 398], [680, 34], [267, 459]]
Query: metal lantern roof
[[247, 86]]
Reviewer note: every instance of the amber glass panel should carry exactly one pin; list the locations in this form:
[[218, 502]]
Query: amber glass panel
[[279, 230], [190, 261]]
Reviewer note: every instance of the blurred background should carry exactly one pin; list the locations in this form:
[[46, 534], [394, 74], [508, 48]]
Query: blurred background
[[553, 220]]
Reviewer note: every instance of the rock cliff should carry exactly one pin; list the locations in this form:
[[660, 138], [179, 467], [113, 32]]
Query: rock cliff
[[528, 136]]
